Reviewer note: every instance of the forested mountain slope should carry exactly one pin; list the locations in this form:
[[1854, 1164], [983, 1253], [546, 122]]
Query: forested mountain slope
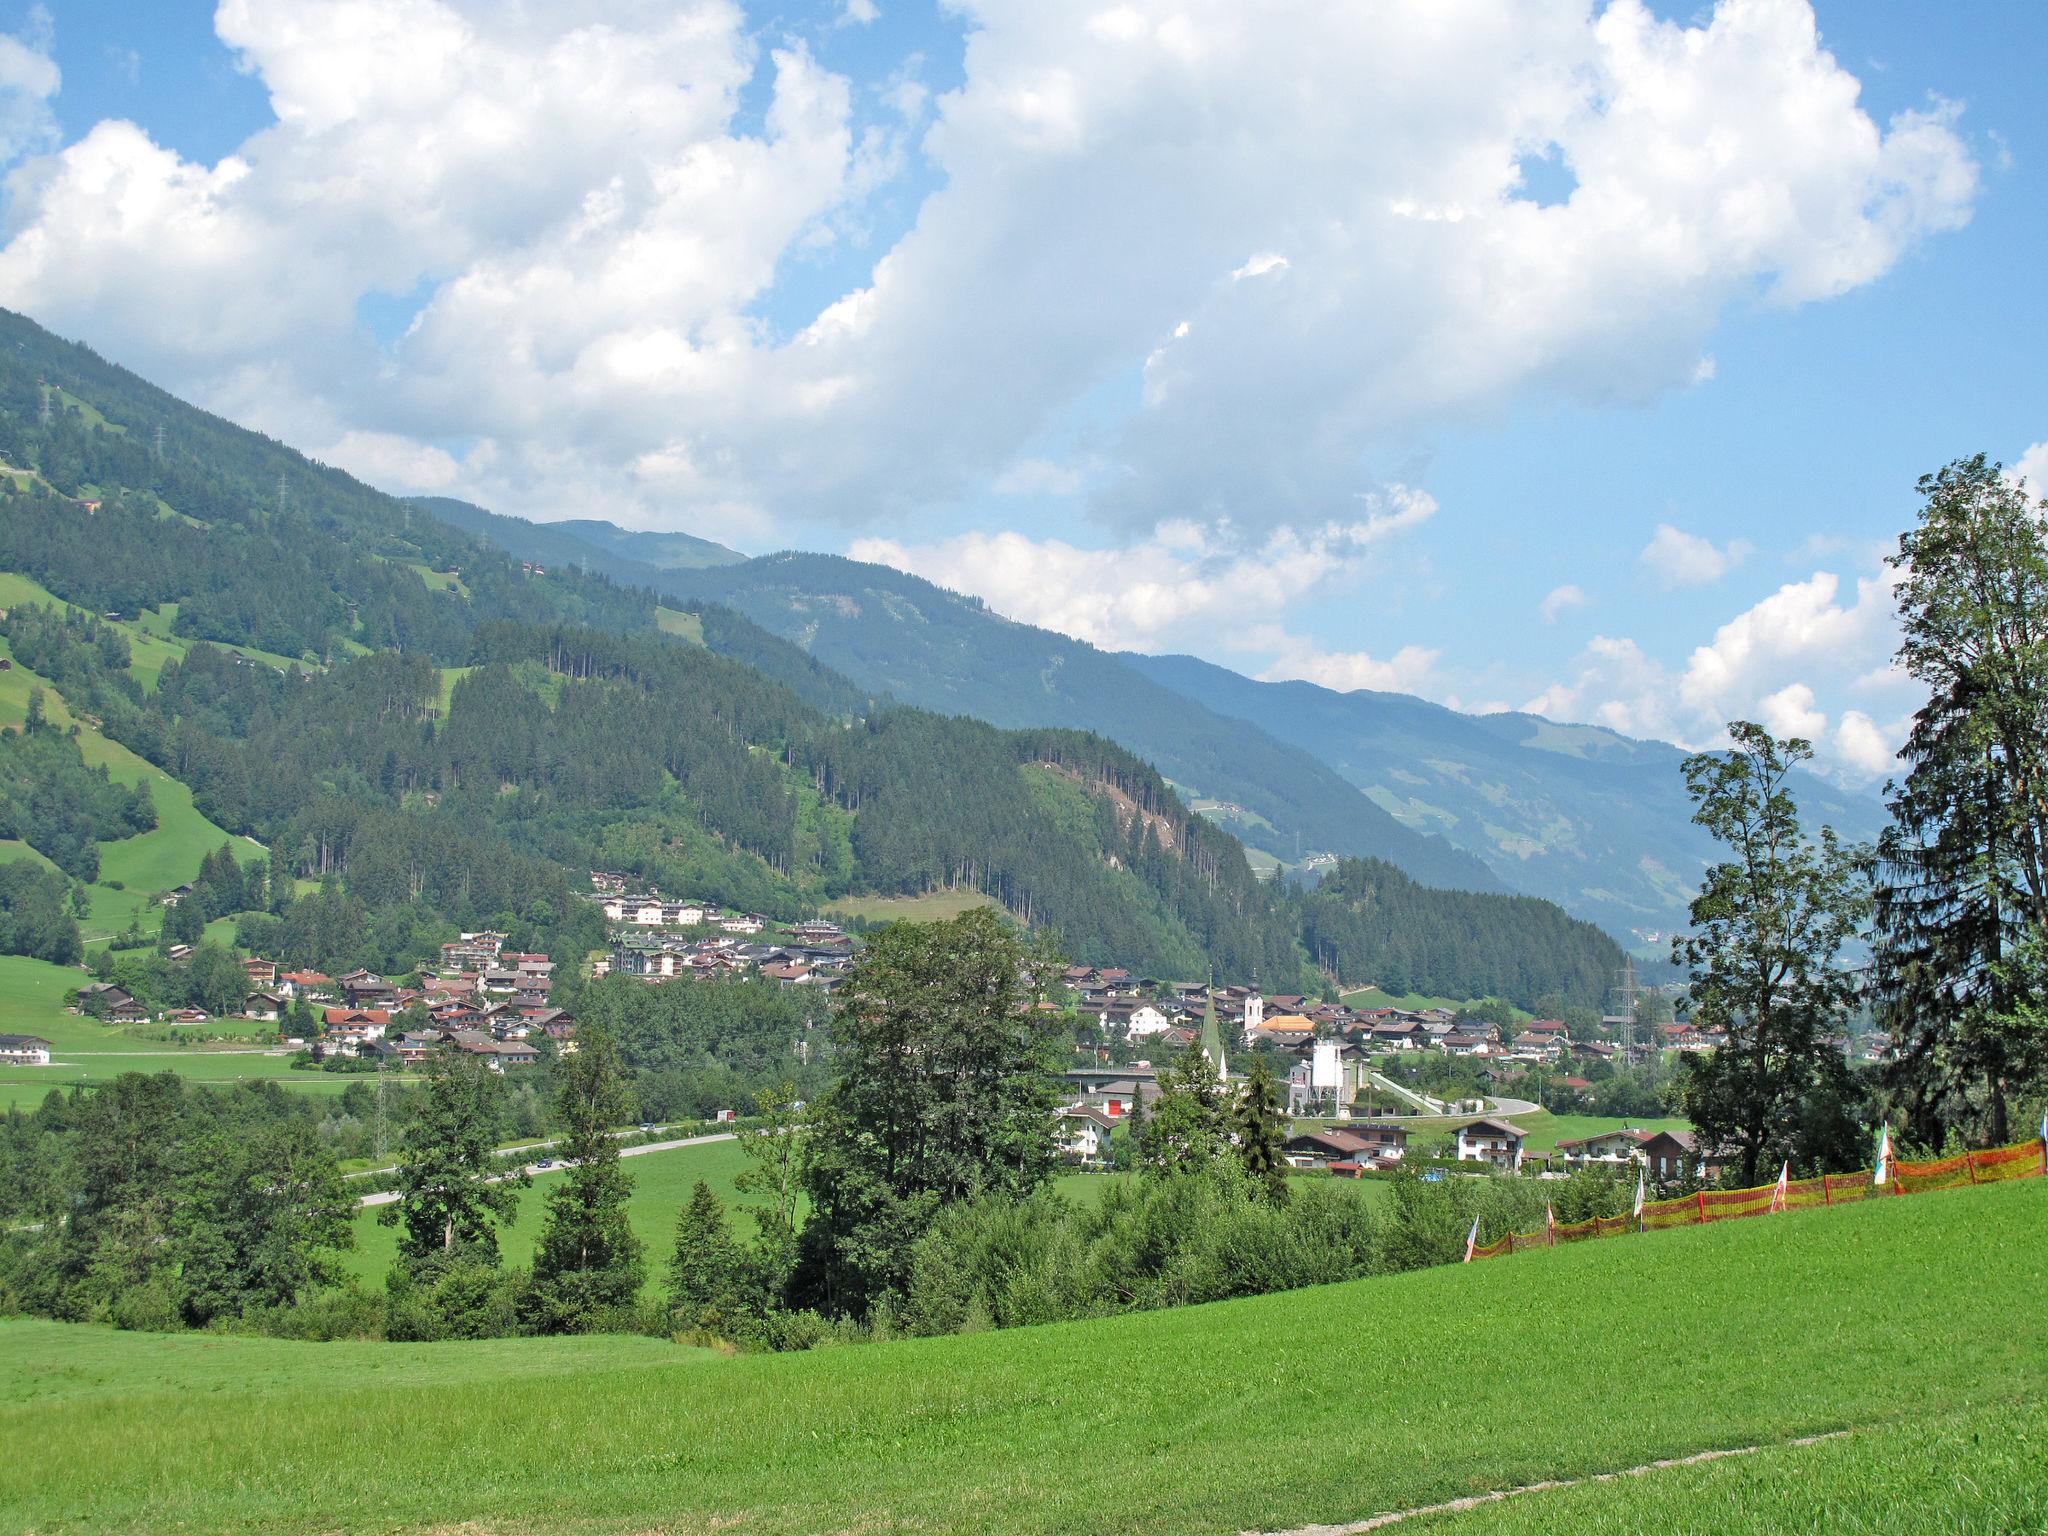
[[604, 548], [1593, 820], [438, 736], [894, 633]]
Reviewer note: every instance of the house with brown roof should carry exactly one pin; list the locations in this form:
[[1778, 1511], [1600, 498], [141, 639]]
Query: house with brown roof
[[1496, 1142]]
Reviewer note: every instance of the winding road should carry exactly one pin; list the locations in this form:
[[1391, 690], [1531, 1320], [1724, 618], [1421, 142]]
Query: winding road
[[390, 1196]]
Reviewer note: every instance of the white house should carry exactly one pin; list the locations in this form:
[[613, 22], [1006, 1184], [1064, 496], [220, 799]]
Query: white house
[[1146, 1020], [1082, 1134], [24, 1051], [1498, 1142]]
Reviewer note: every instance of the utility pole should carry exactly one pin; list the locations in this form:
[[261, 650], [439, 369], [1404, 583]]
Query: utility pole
[[159, 442]]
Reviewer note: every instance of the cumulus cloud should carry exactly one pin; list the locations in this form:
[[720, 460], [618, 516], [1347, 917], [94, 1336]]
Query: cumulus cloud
[[1570, 595], [585, 199], [1411, 669], [1181, 586], [2032, 467], [1774, 662], [1681, 559]]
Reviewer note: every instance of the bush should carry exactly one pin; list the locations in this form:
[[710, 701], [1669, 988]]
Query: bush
[[452, 1298]]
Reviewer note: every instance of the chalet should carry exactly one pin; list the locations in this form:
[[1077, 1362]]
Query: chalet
[[1082, 1135], [787, 973], [1400, 1034], [261, 973], [501, 982], [461, 984], [130, 1011], [816, 931], [178, 954], [1608, 1149], [366, 989], [266, 1006], [1319, 1149], [1385, 1145], [1670, 1155], [24, 1051], [1284, 1030], [98, 996], [176, 894], [188, 1016], [1498, 1142], [743, 923], [310, 985], [352, 1026], [1594, 1050], [1145, 1019], [414, 1049], [473, 951], [533, 967], [1464, 1045], [606, 881], [1531, 1046]]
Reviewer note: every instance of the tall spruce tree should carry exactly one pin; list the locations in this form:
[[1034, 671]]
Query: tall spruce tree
[[1258, 1129], [1962, 905], [707, 1280], [589, 1264], [1764, 954], [451, 1195]]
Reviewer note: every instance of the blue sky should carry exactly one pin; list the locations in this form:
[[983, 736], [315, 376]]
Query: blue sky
[[1166, 331]]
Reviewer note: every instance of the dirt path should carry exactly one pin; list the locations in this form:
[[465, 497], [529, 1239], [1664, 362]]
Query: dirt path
[[1479, 1500]]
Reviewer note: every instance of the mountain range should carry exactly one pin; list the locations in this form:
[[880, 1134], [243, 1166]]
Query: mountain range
[[1581, 815]]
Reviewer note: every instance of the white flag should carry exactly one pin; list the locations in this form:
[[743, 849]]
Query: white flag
[[1884, 1158], [1783, 1192], [1638, 1211], [1471, 1239]]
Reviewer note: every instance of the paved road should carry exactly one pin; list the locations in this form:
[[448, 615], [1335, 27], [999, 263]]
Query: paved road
[[533, 1146], [390, 1196]]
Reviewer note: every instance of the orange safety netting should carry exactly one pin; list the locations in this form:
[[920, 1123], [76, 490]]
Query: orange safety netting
[[2027, 1159]]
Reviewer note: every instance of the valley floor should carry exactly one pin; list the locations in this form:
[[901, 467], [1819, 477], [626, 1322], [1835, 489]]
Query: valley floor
[[1915, 1323]]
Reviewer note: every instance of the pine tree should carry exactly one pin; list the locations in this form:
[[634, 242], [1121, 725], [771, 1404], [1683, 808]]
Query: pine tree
[[1187, 1130], [706, 1271], [1963, 892], [589, 1264], [1257, 1127]]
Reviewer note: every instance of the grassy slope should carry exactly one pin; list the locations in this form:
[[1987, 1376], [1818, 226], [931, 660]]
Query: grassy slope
[[1250, 1415], [1373, 997], [167, 856], [933, 906]]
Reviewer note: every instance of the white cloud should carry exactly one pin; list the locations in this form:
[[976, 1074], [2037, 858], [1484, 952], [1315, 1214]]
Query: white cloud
[[1570, 595], [396, 463], [1185, 585], [859, 13], [28, 82], [1681, 559], [596, 233], [1790, 712], [1411, 669], [1862, 746], [2032, 467], [1260, 265], [1774, 663]]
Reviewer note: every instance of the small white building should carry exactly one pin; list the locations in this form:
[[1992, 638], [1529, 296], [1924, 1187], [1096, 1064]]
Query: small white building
[[1082, 1134], [24, 1051], [1146, 1020], [1498, 1142]]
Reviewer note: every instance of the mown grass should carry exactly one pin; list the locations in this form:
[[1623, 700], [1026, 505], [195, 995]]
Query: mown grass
[[1894, 1317], [1375, 997], [673, 621], [932, 907], [1984, 1470], [662, 1182]]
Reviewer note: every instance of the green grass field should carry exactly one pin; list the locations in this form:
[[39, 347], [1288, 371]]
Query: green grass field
[[661, 1187], [673, 621], [134, 869], [1374, 997], [1915, 1323], [932, 907]]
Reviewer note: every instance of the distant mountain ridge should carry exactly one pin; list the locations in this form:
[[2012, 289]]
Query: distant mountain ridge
[[586, 543], [1598, 822]]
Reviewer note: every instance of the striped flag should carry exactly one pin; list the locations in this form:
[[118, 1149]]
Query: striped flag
[[1471, 1239], [1884, 1159], [1638, 1211], [2044, 1141], [1783, 1192]]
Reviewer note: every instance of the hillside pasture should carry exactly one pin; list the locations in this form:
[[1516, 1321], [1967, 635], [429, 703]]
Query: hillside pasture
[[1912, 1322]]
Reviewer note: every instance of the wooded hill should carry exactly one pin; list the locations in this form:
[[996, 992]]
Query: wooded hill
[[462, 737]]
